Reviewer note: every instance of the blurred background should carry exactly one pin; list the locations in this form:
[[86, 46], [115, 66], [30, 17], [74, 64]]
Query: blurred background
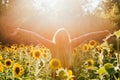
[[46, 16]]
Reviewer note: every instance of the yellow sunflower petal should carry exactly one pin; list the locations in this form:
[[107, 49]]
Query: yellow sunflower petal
[[55, 63]]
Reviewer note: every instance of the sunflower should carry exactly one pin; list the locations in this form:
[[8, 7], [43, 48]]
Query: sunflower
[[27, 63], [17, 70], [99, 48], [1, 67], [14, 47], [21, 46], [70, 75], [36, 54], [8, 63], [92, 43], [75, 51], [11, 50], [85, 48], [30, 49], [1, 57], [90, 63], [46, 56], [42, 63], [55, 63], [62, 73], [69, 72], [6, 49]]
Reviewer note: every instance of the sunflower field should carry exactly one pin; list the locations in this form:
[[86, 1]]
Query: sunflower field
[[92, 61]]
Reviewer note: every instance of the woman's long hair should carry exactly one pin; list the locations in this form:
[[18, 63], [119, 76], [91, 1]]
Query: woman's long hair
[[61, 35]]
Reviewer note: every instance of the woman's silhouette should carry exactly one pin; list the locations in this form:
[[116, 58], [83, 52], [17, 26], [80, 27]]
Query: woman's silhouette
[[62, 45]]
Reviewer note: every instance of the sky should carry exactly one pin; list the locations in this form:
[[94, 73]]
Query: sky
[[58, 13], [55, 12], [92, 4]]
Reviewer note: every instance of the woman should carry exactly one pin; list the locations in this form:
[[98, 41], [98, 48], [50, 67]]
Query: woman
[[61, 46]]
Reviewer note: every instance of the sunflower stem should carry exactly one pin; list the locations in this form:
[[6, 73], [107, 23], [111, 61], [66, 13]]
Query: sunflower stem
[[37, 71], [29, 61], [12, 76], [118, 46], [20, 55], [118, 51], [54, 75]]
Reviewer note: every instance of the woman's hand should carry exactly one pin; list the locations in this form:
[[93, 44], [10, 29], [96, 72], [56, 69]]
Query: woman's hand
[[15, 32]]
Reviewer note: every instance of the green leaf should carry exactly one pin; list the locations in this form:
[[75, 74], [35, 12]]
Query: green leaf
[[101, 70], [27, 78], [109, 68], [104, 44], [117, 34]]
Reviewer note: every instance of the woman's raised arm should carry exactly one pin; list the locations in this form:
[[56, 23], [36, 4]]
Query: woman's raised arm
[[93, 35], [49, 44]]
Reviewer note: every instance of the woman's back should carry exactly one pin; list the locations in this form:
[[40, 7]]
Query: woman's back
[[62, 49]]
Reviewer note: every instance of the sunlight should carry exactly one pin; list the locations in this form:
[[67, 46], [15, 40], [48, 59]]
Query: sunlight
[[91, 6], [48, 6], [53, 13], [52, 9], [54, 6], [62, 12]]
